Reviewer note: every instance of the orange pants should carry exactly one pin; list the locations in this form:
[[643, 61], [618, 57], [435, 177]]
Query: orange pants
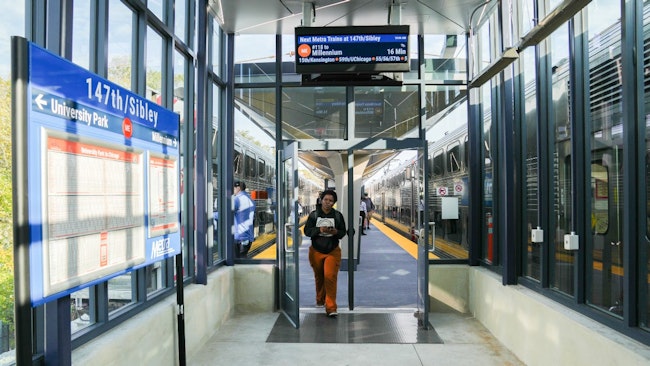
[[326, 272]]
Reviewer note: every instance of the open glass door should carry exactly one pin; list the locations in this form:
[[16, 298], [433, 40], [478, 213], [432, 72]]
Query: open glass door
[[426, 236], [288, 235]]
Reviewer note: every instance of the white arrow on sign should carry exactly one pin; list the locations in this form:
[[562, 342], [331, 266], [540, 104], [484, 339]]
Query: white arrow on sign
[[40, 102]]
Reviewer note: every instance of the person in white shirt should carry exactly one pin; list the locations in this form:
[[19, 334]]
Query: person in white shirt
[[363, 212]]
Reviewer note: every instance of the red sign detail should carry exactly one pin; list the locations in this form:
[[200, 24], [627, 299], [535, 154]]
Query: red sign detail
[[127, 128]]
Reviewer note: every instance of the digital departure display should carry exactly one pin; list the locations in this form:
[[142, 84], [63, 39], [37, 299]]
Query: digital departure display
[[363, 49]]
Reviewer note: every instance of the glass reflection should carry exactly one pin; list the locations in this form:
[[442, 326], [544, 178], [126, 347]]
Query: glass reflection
[[289, 248], [255, 58], [153, 65], [488, 250], [386, 112], [562, 263], [81, 38], [645, 262], [120, 48], [533, 251], [81, 310], [314, 113], [445, 57], [445, 103], [605, 279], [120, 292], [254, 162]]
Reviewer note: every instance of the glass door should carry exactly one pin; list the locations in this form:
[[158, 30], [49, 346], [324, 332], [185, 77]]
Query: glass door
[[288, 233], [426, 238]]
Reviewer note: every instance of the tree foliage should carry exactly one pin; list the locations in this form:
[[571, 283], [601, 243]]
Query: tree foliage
[[6, 212]]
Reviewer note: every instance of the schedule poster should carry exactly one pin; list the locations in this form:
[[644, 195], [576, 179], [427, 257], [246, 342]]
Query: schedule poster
[[102, 178]]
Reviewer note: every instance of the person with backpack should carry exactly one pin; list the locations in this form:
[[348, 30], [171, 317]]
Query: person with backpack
[[326, 227]]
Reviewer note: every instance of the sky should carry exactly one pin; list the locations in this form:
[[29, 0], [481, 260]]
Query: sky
[[12, 15]]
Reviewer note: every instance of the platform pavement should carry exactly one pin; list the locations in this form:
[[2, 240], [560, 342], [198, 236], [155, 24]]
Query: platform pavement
[[385, 276], [385, 280]]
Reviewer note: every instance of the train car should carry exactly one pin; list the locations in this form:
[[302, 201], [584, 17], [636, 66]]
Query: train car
[[255, 166], [394, 193], [399, 195], [605, 209]]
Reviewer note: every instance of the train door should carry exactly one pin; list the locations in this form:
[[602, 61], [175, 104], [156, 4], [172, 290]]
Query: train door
[[287, 209]]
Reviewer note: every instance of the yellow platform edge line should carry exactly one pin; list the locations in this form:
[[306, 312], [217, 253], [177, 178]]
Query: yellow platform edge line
[[407, 245]]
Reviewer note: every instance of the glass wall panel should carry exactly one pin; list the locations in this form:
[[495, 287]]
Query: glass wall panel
[[644, 318], [413, 54], [552, 5], [314, 113], [289, 59], [530, 127], [217, 249], [180, 19], [156, 6], [562, 261], [120, 292], [153, 65], [485, 57], [484, 41], [445, 57], [215, 47], [388, 112], [526, 16], [254, 58], [120, 43], [254, 162], [154, 273], [81, 35], [81, 314], [120, 50], [442, 101], [605, 274], [181, 108], [155, 277], [489, 251], [449, 173]]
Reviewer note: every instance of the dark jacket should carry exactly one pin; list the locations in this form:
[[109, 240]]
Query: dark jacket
[[319, 241]]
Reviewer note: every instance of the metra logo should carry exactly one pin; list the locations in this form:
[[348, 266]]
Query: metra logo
[[161, 247]]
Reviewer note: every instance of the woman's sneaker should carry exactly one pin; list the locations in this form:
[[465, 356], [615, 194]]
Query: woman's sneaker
[[333, 314]]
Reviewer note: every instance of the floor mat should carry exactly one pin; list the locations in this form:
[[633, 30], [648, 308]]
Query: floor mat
[[400, 328]]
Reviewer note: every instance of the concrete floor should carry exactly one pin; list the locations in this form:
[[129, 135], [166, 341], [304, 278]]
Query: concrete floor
[[243, 341]]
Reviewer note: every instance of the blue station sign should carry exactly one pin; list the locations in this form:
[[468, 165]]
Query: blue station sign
[[103, 180]]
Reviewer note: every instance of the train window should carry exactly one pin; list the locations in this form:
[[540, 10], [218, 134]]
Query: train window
[[438, 167], [270, 173], [599, 199], [261, 168], [237, 162], [453, 157], [249, 166]]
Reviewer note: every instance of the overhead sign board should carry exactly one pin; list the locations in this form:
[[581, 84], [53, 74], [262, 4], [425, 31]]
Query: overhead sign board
[[102, 177], [360, 49]]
